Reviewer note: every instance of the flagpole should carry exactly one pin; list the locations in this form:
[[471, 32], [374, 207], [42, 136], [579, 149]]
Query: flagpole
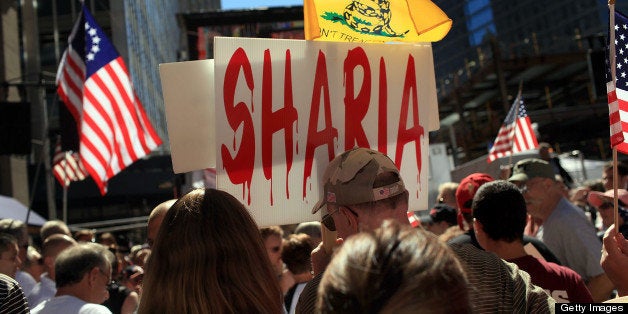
[[613, 62], [66, 184]]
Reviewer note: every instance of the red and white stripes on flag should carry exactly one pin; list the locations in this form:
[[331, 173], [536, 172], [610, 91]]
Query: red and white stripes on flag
[[66, 166], [413, 219], [617, 85], [94, 83], [516, 134]]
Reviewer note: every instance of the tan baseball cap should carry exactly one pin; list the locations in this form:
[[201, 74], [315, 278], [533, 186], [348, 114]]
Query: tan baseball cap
[[349, 178]]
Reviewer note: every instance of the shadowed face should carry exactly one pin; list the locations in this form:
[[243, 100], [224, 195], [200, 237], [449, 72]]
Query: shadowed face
[[10, 260], [273, 248]]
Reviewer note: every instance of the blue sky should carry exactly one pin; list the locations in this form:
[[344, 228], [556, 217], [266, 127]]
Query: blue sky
[[247, 4]]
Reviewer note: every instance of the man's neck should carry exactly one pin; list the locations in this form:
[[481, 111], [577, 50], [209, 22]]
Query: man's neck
[[507, 250], [304, 277]]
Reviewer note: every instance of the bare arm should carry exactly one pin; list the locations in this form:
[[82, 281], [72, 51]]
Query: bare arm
[[600, 287], [130, 303]]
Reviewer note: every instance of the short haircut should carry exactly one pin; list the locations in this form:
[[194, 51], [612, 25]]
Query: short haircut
[[296, 253], [394, 269], [501, 209], [16, 228], [6, 240], [56, 243], [51, 227], [74, 263], [622, 168], [448, 187], [311, 228], [266, 232]]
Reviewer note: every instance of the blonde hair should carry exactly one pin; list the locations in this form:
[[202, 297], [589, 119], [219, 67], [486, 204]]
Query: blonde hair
[[394, 269], [209, 257]]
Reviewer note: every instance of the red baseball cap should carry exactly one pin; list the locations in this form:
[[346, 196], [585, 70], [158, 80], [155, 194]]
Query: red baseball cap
[[467, 188]]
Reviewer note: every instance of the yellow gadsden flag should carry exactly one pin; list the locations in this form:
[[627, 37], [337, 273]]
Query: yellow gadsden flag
[[374, 20]]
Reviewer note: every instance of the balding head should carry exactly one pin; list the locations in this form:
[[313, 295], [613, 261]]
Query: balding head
[[155, 219], [51, 227], [53, 245]]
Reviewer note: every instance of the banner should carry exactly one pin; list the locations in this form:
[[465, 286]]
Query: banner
[[285, 108], [374, 21]]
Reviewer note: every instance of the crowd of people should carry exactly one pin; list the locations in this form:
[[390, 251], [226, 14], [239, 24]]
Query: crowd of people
[[520, 243]]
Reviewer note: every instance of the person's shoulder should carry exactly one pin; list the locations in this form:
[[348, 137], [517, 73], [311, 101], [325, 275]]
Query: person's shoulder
[[92, 308]]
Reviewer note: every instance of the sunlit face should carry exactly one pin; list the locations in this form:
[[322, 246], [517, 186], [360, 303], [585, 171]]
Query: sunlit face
[[273, 248], [10, 261], [103, 278], [535, 193], [606, 210]]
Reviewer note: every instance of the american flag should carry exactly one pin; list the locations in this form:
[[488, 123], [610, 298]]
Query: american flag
[[67, 166], [618, 91], [516, 134], [94, 84], [414, 221]]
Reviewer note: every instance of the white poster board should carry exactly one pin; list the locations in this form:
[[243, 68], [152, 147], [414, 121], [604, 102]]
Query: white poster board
[[285, 108]]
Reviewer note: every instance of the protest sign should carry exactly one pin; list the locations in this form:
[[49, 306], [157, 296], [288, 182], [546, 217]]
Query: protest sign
[[285, 108], [188, 91]]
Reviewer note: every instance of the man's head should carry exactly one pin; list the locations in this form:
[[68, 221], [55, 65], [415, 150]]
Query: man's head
[[311, 228], [155, 219], [361, 188], [52, 247], [84, 271], [19, 231], [296, 253], [604, 204], [9, 259], [464, 197], [273, 237], [51, 227], [545, 151], [441, 217], [537, 182], [447, 194], [500, 214], [622, 176]]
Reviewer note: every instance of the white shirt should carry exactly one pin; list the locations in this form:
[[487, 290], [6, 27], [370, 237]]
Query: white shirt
[[67, 304], [26, 281], [44, 290]]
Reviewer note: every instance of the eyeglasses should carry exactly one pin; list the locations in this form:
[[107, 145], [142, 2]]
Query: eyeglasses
[[328, 221]]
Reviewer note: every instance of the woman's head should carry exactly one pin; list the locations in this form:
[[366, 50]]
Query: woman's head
[[209, 255], [394, 269]]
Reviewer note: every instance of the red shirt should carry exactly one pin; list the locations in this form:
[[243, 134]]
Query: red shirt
[[561, 283]]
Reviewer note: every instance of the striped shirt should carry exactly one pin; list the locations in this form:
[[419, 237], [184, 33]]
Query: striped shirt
[[12, 299]]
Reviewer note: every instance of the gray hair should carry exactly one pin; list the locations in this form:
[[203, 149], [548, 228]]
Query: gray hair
[[73, 263]]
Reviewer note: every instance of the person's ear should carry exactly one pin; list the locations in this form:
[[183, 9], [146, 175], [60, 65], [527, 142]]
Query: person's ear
[[92, 276], [49, 262], [352, 220], [477, 225]]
